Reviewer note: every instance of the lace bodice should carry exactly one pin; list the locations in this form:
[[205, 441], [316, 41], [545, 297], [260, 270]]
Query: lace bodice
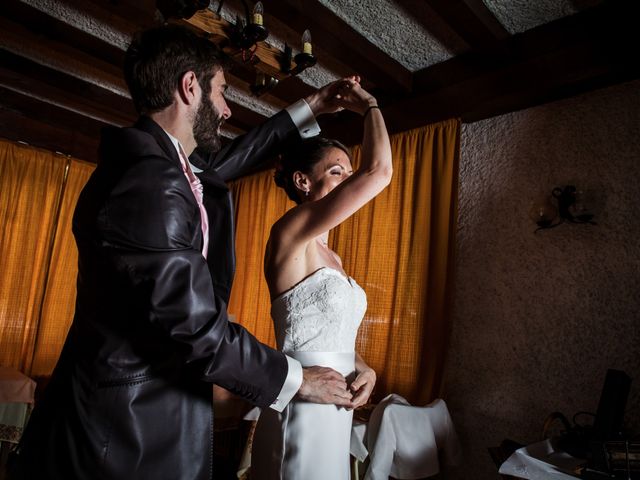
[[322, 313]]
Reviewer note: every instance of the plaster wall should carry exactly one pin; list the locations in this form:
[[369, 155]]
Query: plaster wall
[[540, 317]]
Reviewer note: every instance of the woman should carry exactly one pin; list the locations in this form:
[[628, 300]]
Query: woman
[[316, 307]]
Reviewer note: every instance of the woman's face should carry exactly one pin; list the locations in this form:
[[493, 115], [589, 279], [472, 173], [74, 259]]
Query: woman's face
[[334, 168]]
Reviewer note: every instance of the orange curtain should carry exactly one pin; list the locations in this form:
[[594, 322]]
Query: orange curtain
[[258, 203], [399, 248], [38, 190], [60, 293]]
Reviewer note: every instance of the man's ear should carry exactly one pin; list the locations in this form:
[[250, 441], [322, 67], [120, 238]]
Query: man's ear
[[189, 88], [301, 181]]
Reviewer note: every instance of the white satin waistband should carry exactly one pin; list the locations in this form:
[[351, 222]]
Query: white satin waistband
[[343, 362]]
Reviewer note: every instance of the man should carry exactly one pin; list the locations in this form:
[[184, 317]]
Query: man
[[130, 397]]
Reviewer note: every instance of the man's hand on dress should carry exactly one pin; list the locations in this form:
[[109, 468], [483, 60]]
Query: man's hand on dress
[[362, 387], [324, 385]]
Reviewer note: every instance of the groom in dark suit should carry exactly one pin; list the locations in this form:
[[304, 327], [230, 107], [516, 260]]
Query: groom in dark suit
[[130, 397]]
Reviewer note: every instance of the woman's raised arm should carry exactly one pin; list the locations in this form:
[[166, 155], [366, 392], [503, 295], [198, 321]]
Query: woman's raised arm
[[311, 219]]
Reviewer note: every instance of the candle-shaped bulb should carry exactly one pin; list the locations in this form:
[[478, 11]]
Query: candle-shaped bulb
[[258, 10], [306, 42]]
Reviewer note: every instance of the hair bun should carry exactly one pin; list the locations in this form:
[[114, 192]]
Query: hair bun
[[278, 174], [279, 178]]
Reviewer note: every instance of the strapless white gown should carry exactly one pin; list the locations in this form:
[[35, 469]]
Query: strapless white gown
[[316, 322]]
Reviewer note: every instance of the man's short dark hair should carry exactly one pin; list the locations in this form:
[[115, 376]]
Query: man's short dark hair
[[157, 59]]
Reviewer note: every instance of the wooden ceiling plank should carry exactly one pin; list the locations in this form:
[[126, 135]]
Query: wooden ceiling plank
[[121, 17], [23, 118], [244, 118], [61, 57], [115, 15], [512, 102], [23, 74], [471, 20], [54, 138], [65, 99], [541, 75], [338, 38], [41, 23], [31, 107]]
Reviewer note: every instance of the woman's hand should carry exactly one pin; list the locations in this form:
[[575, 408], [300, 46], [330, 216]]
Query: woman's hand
[[362, 387], [327, 98], [353, 97]]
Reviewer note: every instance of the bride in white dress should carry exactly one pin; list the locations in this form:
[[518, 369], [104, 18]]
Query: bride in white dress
[[316, 307]]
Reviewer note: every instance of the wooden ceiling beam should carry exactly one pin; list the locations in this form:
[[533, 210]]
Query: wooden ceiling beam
[[244, 118], [344, 43], [512, 101], [128, 16], [122, 17], [60, 56], [66, 67], [471, 20], [606, 26], [23, 118], [42, 24], [596, 43], [52, 87], [58, 32]]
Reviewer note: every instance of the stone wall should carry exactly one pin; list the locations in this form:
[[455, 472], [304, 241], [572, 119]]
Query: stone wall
[[540, 317]]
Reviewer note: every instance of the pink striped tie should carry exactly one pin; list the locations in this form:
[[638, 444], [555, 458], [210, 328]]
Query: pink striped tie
[[196, 188]]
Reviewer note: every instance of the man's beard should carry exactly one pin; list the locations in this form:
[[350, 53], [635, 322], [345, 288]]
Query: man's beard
[[206, 126]]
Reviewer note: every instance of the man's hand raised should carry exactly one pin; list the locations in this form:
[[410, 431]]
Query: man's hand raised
[[327, 98], [324, 385]]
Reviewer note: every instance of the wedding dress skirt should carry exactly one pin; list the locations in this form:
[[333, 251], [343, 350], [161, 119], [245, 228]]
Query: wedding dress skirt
[[316, 323]]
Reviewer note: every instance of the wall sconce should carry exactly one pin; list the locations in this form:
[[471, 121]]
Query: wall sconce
[[262, 84], [245, 35], [304, 59], [572, 207]]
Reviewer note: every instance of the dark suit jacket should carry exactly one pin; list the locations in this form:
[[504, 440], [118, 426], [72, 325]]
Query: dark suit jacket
[[130, 397]]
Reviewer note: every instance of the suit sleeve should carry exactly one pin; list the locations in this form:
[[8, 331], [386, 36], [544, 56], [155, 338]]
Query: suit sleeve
[[149, 228], [253, 150]]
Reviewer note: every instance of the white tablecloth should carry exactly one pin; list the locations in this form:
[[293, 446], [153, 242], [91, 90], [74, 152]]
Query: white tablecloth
[[15, 387], [16, 397], [540, 461]]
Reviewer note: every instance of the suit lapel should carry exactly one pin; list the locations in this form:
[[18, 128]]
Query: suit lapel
[[147, 125], [208, 176]]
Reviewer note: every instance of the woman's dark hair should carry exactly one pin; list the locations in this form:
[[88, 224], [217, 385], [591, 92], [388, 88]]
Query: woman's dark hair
[[302, 156], [157, 59]]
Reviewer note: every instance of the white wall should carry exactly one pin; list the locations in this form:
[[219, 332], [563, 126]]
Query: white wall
[[539, 318]]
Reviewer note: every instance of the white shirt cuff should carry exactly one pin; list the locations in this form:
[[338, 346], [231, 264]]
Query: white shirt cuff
[[304, 119], [291, 385]]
